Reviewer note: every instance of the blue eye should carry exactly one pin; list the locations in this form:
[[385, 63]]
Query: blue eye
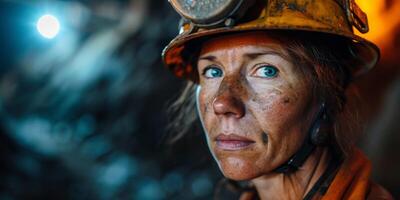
[[212, 72], [267, 71]]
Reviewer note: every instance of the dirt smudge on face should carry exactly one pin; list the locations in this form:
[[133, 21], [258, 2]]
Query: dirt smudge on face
[[286, 100], [267, 101], [264, 137]]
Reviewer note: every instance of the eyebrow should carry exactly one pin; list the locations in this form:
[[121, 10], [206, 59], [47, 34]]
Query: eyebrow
[[248, 55], [210, 58], [258, 54]]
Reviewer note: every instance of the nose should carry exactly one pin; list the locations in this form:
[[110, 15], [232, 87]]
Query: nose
[[228, 105]]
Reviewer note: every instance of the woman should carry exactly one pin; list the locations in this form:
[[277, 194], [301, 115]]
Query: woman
[[270, 79]]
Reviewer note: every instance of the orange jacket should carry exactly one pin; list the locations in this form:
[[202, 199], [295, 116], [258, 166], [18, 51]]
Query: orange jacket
[[352, 182]]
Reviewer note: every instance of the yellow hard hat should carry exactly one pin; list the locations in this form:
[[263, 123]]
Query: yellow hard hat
[[204, 18]]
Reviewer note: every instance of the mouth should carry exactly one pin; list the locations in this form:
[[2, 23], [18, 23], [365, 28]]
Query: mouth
[[233, 142]]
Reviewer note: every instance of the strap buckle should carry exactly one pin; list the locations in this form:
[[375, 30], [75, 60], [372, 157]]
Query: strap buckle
[[356, 16]]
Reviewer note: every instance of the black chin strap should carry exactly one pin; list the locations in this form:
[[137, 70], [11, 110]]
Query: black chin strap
[[306, 149]]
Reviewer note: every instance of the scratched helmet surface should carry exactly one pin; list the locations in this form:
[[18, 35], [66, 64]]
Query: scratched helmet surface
[[207, 18]]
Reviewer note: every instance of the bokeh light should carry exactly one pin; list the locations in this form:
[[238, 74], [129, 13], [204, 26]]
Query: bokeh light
[[48, 26]]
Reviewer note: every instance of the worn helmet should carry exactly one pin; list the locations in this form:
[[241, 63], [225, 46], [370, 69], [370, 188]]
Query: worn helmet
[[205, 18]]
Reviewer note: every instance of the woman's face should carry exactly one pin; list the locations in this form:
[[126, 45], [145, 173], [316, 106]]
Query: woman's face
[[255, 104]]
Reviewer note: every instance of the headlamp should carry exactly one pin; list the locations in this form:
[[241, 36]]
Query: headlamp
[[211, 13]]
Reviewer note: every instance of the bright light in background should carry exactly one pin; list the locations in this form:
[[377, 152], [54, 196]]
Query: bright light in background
[[383, 21], [48, 26]]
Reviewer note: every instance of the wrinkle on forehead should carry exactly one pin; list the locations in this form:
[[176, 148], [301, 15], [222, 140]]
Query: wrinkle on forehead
[[259, 41]]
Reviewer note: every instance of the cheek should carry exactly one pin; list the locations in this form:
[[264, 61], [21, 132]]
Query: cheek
[[271, 107], [203, 105], [280, 114], [205, 111]]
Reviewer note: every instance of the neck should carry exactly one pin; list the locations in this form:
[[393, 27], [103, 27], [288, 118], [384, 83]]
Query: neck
[[294, 185]]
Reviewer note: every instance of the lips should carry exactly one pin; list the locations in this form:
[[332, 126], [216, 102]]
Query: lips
[[233, 142]]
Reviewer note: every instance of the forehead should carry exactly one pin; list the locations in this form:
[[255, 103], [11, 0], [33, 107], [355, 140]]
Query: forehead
[[247, 39]]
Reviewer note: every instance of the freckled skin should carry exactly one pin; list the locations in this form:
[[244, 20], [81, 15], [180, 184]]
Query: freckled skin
[[273, 112]]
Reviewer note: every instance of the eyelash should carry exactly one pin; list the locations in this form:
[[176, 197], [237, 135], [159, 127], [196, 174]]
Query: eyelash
[[271, 69], [276, 71], [206, 69]]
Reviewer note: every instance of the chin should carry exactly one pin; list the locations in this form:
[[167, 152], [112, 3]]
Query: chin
[[239, 169]]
